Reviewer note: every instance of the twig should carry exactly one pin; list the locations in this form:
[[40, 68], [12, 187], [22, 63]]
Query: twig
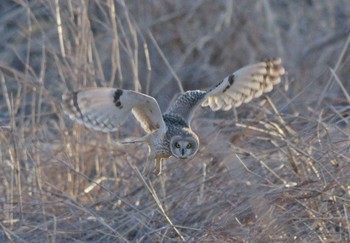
[[166, 62], [159, 204]]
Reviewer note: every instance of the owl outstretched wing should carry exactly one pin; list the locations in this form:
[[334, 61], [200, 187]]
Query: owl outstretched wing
[[105, 109], [245, 84], [240, 87]]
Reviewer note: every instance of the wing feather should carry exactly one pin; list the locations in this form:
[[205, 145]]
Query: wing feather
[[105, 109], [245, 84]]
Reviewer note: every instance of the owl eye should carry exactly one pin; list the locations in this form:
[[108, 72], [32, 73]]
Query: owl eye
[[189, 146], [177, 145]]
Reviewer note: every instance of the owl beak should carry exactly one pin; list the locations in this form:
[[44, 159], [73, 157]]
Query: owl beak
[[182, 152]]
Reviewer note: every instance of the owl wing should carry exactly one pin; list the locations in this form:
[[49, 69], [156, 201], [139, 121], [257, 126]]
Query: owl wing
[[105, 109], [240, 87], [245, 84]]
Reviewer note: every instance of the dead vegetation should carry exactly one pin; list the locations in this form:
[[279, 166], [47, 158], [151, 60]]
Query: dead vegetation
[[275, 170]]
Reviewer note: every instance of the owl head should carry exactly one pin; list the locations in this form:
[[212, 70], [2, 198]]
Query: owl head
[[184, 146]]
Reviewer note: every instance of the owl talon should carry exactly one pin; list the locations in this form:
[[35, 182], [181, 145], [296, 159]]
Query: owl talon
[[158, 169], [157, 172]]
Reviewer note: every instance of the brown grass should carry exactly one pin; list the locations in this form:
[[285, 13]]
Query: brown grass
[[274, 170]]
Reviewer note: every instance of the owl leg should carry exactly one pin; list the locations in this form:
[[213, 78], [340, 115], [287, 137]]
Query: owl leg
[[158, 169], [147, 168]]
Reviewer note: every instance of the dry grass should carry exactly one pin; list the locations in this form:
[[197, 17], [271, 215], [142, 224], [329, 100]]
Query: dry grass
[[274, 170]]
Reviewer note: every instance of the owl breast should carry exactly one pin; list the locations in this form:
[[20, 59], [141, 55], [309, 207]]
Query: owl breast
[[160, 142]]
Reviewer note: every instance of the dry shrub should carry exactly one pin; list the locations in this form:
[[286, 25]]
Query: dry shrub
[[273, 170]]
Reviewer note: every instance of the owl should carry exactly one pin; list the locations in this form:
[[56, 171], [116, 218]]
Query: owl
[[169, 134]]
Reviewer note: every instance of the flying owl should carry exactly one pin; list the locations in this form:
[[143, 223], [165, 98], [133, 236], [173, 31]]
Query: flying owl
[[169, 134]]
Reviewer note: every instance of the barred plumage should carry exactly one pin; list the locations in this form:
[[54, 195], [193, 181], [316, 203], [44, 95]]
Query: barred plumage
[[186, 104], [105, 109]]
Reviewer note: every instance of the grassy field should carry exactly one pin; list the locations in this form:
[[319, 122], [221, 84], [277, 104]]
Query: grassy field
[[274, 170]]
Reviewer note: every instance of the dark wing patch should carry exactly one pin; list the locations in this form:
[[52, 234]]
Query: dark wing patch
[[116, 98], [231, 79], [230, 82], [75, 103]]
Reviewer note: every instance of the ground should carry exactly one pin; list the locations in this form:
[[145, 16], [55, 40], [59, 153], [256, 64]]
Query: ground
[[274, 170]]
